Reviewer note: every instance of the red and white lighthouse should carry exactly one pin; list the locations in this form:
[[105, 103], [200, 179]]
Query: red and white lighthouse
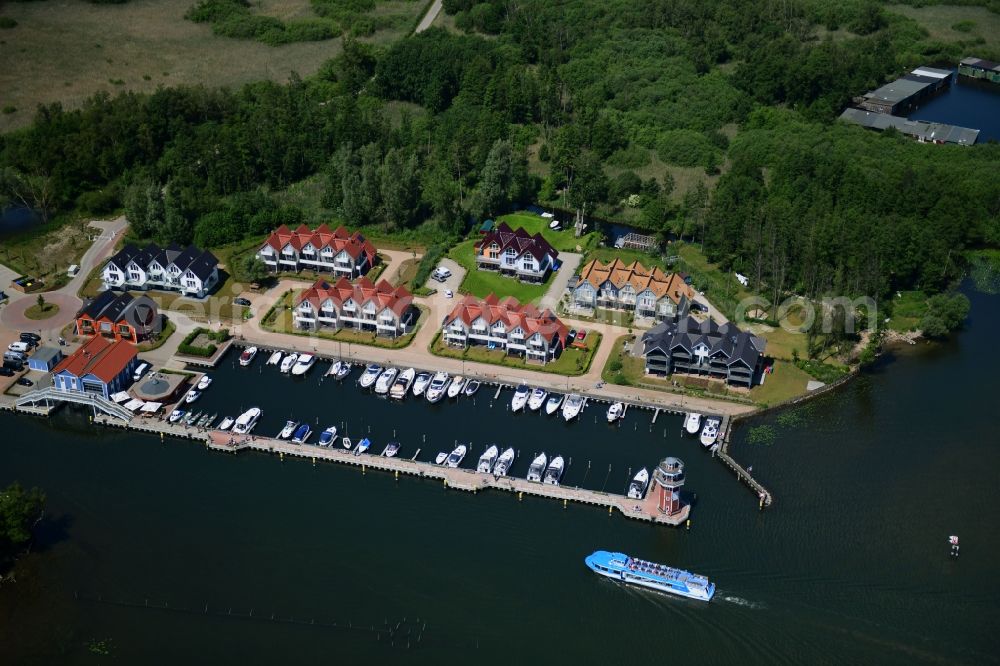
[[669, 477]]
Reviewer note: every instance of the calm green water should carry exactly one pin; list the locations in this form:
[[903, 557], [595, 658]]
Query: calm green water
[[850, 565]]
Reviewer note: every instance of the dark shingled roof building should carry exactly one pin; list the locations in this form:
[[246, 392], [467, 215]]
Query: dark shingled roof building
[[704, 348]]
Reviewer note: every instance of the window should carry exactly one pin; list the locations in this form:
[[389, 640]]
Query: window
[[191, 284], [510, 256], [494, 251], [134, 276], [106, 326], [124, 330]]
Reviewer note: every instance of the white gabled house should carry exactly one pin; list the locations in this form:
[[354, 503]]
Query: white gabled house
[[338, 252], [379, 308], [191, 271], [520, 330]]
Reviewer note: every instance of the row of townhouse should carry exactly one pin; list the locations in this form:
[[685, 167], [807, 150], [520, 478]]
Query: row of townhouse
[[520, 330], [379, 308], [704, 348], [647, 293], [519, 254], [338, 253], [191, 271]]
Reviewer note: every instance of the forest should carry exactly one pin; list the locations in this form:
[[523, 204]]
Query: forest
[[583, 104]]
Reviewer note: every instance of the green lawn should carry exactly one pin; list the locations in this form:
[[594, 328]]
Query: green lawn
[[571, 363], [720, 287], [907, 310], [38, 313], [781, 343], [785, 383], [563, 241], [483, 283]]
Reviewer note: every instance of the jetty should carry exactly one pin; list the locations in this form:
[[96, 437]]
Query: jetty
[[763, 494]]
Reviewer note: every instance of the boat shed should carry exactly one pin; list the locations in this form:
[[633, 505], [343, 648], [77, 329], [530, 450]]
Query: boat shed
[[45, 358], [921, 130], [903, 94], [486, 227], [977, 68]]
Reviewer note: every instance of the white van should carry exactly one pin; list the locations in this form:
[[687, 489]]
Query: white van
[[14, 357], [140, 371], [21, 347]]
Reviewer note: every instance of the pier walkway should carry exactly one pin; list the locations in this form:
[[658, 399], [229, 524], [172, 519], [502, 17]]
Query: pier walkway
[[763, 494]]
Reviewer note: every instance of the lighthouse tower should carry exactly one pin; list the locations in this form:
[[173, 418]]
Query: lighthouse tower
[[669, 477]]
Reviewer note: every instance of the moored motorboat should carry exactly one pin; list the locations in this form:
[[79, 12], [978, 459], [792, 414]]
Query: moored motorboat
[[420, 383], [488, 460], [302, 434], [289, 362], [288, 430], [621, 567], [439, 384], [520, 398], [347, 443], [401, 386], [344, 370], [371, 373], [206, 420], [384, 381], [537, 399], [710, 432], [176, 415], [275, 357], [504, 462], [615, 411], [471, 388], [204, 383], [537, 467], [328, 436], [192, 395], [391, 449], [554, 472], [303, 364], [692, 424], [227, 423], [572, 406], [246, 421], [362, 446], [334, 368], [246, 358], [456, 386], [456, 456], [192, 417], [440, 458], [637, 488], [553, 403]]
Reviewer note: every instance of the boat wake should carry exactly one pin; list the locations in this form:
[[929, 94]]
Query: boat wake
[[752, 605]]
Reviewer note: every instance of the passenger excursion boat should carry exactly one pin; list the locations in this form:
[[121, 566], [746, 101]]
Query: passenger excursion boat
[[488, 459], [615, 412], [437, 387], [471, 388], [302, 434], [391, 449], [520, 398], [503, 464], [402, 384], [289, 428], [456, 456], [275, 357], [328, 436], [192, 395], [553, 403], [456, 386], [537, 468], [363, 446], [572, 407], [204, 382], [246, 358], [537, 399], [692, 423], [710, 432], [621, 567], [289, 362], [420, 384], [554, 472], [246, 421], [371, 373], [227, 423], [384, 381], [637, 489], [303, 364]]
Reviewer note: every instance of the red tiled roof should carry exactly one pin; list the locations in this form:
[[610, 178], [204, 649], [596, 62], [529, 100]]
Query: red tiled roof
[[354, 244], [99, 357], [512, 314], [383, 294]]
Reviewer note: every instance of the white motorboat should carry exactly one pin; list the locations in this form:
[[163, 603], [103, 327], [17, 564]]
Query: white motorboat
[[192, 417], [440, 458], [537, 399], [275, 357], [537, 468], [471, 388], [554, 472], [420, 384], [710, 432], [615, 411], [302, 434], [289, 428], [637, 489], [246, 421], [347, 443], [456, 386], [503, 464], [227, 423], [334, 368], [328, 436], [692, 424], [362, 446], [553, 403], [345, 369], [488, 460], [246, 358], [554, 225], [192, 395], [520, 398], [204, 382], [289, 362], [303, 364], [456, 456], [384, 381], [371, 373], [573, 406], [391, 449], [401, 386], [439, 384], [176, 415]]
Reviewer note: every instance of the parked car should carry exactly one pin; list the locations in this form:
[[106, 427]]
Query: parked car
[[13, 365], [441, 274], [24, 381], [34, 337], [241, 301], [448, 293], [571, 336], [20, 347], [581, 336], [140, 371], [14, 357], [6, 372]]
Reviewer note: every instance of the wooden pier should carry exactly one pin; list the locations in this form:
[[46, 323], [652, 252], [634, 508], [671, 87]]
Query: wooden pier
[[763, 494]]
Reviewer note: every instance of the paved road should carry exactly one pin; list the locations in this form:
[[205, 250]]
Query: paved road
[[429, 17], [570, 264]]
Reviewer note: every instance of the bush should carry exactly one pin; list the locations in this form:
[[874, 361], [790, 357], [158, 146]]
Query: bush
[[964, 26], [99, 202], [9, 109], [624, 184], [427, 264], [632, 157], [686, 148], [209, 350], [7, 22]]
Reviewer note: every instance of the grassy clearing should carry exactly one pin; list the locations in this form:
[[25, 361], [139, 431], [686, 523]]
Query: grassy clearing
[[44, 312], [46, 252], [721, 288], [940, 22], [571, 363], [908, 308], [785, 383], [781, 344], [483, 283], [562, 241], [406, 272]]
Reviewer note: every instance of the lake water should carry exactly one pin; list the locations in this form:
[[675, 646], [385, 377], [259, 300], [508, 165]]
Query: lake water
[[850, 565], [966, 103]]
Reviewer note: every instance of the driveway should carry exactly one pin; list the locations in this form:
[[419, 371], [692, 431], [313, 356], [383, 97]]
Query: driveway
[[429, 17], [570, 264]]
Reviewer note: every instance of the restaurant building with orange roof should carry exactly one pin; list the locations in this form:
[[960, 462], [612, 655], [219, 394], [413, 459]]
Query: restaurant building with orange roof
[[506, 324], [646, 292], [100, 367]]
